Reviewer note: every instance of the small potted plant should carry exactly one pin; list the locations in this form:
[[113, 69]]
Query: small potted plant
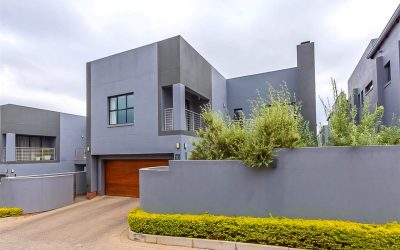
[[46, 154], [38, 156]]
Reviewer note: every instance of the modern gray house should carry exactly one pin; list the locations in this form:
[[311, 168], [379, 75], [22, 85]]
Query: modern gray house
[[376, 77], [36, 141], [143, 107]]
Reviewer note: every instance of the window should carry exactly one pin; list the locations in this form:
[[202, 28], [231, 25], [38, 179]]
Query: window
[[362, 98], [388, 76], [120, 109], [369, 87], [237, 114]]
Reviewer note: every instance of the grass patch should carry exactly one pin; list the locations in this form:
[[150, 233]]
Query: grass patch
[[297, 233]]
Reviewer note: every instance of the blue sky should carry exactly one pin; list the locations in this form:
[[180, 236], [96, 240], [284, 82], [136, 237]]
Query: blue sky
[[44, 45]]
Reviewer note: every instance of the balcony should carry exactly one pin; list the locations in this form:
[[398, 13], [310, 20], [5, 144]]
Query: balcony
[[35, 154], [193, 120], [168, 119]]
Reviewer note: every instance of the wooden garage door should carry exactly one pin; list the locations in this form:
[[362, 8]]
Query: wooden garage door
[[122, 176]]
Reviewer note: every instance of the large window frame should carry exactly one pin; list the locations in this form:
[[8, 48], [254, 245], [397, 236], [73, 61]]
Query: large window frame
[[121, 109]]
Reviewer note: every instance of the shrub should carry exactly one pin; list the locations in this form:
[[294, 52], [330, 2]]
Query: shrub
[[346, 130], [221, 139], [298, 233], [277, 123], [10, 211], [389, 135]]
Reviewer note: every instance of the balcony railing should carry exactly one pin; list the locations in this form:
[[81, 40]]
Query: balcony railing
[[168, 119], [80, 154], [35, 154], [193, 120]]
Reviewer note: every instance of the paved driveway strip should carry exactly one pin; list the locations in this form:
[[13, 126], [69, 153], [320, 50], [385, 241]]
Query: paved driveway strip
[[100, 223]]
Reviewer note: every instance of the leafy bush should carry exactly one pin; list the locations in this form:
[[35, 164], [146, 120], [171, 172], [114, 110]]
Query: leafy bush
[[10, 211], [297, 233], [389, 136], [346, 130], [277, 123], [221, 139]]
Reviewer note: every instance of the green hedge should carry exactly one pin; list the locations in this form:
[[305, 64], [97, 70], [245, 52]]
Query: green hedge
[[298, 233], [10, 211]]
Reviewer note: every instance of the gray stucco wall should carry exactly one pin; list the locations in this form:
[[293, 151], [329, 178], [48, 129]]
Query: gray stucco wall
[[299, 80], [346, 183], [306, 83], [37, 194], [363, 74], [219, 91], [390, 52], [242, 90], [195, 71]]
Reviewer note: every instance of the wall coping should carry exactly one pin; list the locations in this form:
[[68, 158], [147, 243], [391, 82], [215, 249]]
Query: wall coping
[[199, 243]]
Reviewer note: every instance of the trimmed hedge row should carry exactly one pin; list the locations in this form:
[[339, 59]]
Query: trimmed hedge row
[[297, 233], [10, 211]]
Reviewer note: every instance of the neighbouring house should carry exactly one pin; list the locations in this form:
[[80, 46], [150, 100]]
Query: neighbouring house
[[376, 77], [36, 141], [143, 107]]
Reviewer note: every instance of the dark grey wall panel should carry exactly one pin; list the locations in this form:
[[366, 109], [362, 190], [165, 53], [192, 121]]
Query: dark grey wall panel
[[195, 71], [346, 183], [306, 83], [168, 58]]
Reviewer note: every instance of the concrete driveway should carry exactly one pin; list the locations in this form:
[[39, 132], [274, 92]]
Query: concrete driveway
[[100, 223]]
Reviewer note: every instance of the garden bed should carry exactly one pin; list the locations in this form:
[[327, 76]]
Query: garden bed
[[297, 233]]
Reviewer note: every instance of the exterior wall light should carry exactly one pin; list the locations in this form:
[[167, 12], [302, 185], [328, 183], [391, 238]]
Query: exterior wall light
[[178, 145], [184, 145]]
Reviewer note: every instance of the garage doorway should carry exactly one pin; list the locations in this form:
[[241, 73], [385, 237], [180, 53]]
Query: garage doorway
[[122, 176]]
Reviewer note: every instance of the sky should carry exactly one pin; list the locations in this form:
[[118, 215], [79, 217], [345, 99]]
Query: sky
[[44, 45]]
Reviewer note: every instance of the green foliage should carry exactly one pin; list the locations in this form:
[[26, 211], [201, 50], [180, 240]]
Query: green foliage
[[297, 233], [277, 123], [221, 139], [389, 136], [345, 130], [10, 211]]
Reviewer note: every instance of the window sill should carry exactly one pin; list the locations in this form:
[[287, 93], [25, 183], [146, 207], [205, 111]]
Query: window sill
[[387, 84], [120, 125]]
